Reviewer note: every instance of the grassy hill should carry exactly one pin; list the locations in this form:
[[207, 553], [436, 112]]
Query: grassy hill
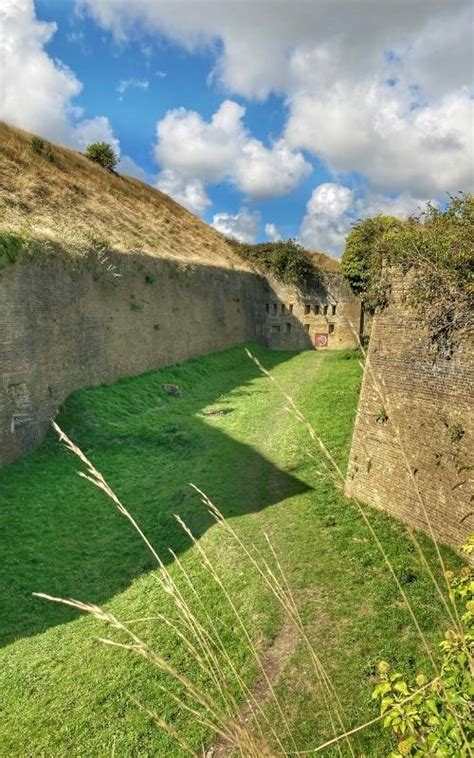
[[61, 197], [64, 693]]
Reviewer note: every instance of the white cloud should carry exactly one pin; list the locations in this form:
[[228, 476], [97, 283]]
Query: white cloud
[[125, 84], [327, 220], [223, 150], [377, 88], [128, 167], [188, 192], [272, 232], [333, 208], [243, 226], [35, 91]]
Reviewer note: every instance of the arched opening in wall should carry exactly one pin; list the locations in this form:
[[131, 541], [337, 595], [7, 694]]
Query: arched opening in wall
[[290, 307], [275, 308], [307, 309], [333, 310], [287, 328], [283, 307], [325, 310], [267, 307], [331, 328], [316, 309], [306, 326]]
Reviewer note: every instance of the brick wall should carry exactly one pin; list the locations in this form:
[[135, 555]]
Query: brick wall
[[66, 325], [427, 405], [324, 314]]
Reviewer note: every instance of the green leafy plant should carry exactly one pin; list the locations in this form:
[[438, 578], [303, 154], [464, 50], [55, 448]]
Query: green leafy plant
[[436, 250], [381, 416], [435, 718], [456, 432], [12, 247], [286, 260], [40, 147], [103, 154]]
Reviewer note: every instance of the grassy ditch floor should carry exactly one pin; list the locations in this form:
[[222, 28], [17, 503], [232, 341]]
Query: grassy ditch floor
[[64, 693]]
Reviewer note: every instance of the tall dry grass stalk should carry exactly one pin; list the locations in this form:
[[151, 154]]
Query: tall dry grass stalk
[[221, 713]]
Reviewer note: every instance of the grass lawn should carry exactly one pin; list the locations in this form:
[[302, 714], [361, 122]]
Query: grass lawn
[[64, 693]]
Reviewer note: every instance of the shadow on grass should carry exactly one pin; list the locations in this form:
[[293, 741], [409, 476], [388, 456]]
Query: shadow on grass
[[59, 534]]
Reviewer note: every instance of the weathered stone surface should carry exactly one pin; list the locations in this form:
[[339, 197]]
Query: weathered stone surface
[[414, 434]]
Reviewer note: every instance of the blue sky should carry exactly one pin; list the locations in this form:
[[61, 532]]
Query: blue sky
[[267, 118]]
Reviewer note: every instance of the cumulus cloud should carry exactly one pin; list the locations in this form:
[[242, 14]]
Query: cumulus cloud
[[243, 226], [36, 91], [187, 192], [272, 232], [378, 88], [223, 150], [333, 208]]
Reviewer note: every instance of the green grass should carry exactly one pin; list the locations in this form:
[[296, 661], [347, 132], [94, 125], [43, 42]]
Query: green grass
[[62, 692]]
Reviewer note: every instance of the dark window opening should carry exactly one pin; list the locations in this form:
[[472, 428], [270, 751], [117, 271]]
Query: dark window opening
[[325, 310], [333, 310], [288, 327], [306, 326], [267, 307], [283, 307], [290, 307], [331, 328], [275, 306], [316, 310], [307, 309]]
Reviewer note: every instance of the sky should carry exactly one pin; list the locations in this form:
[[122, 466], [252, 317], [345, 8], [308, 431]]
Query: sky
[[268, 118]]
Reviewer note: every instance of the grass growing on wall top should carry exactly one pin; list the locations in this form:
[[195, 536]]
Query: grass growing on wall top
[[229, 433]]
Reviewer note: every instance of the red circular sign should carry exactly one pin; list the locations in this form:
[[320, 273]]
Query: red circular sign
[[321, 340]]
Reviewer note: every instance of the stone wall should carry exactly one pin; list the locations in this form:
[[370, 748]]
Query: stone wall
[[65, 325], [415, 408], [322, 315]]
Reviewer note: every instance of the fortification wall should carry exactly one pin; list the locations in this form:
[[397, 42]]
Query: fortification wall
[[415, 408], [65, 325], [323, 315]]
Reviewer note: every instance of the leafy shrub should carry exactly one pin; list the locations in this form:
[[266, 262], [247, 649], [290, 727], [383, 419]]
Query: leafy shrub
[[40, 147], [437, 248], [103, 154], [436, 718], [11, 248], [359, 258], [286, 260]]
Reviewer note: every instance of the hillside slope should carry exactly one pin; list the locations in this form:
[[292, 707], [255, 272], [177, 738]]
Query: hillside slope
[[70, 201]]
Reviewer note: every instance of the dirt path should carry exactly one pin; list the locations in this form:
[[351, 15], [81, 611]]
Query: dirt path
[[274, 659]]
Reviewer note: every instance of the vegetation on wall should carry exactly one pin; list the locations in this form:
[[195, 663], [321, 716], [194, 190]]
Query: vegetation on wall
[[436, 248], [103, 154], [286, 260]]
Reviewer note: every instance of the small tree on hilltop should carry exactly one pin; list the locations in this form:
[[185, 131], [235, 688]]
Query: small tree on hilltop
[[103, 154]]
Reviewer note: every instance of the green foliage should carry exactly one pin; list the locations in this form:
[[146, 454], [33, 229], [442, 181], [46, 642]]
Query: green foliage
[[436, 718], [381, 415], [40, 147], [359, 259], [286, 260], [12, 247], [103, 154], [435, 250]]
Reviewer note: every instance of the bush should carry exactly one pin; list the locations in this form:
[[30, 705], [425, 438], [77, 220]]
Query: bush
[[437, 248], [40, 147], [436, 718], [360, 255], [286, 260], [103, 154]]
